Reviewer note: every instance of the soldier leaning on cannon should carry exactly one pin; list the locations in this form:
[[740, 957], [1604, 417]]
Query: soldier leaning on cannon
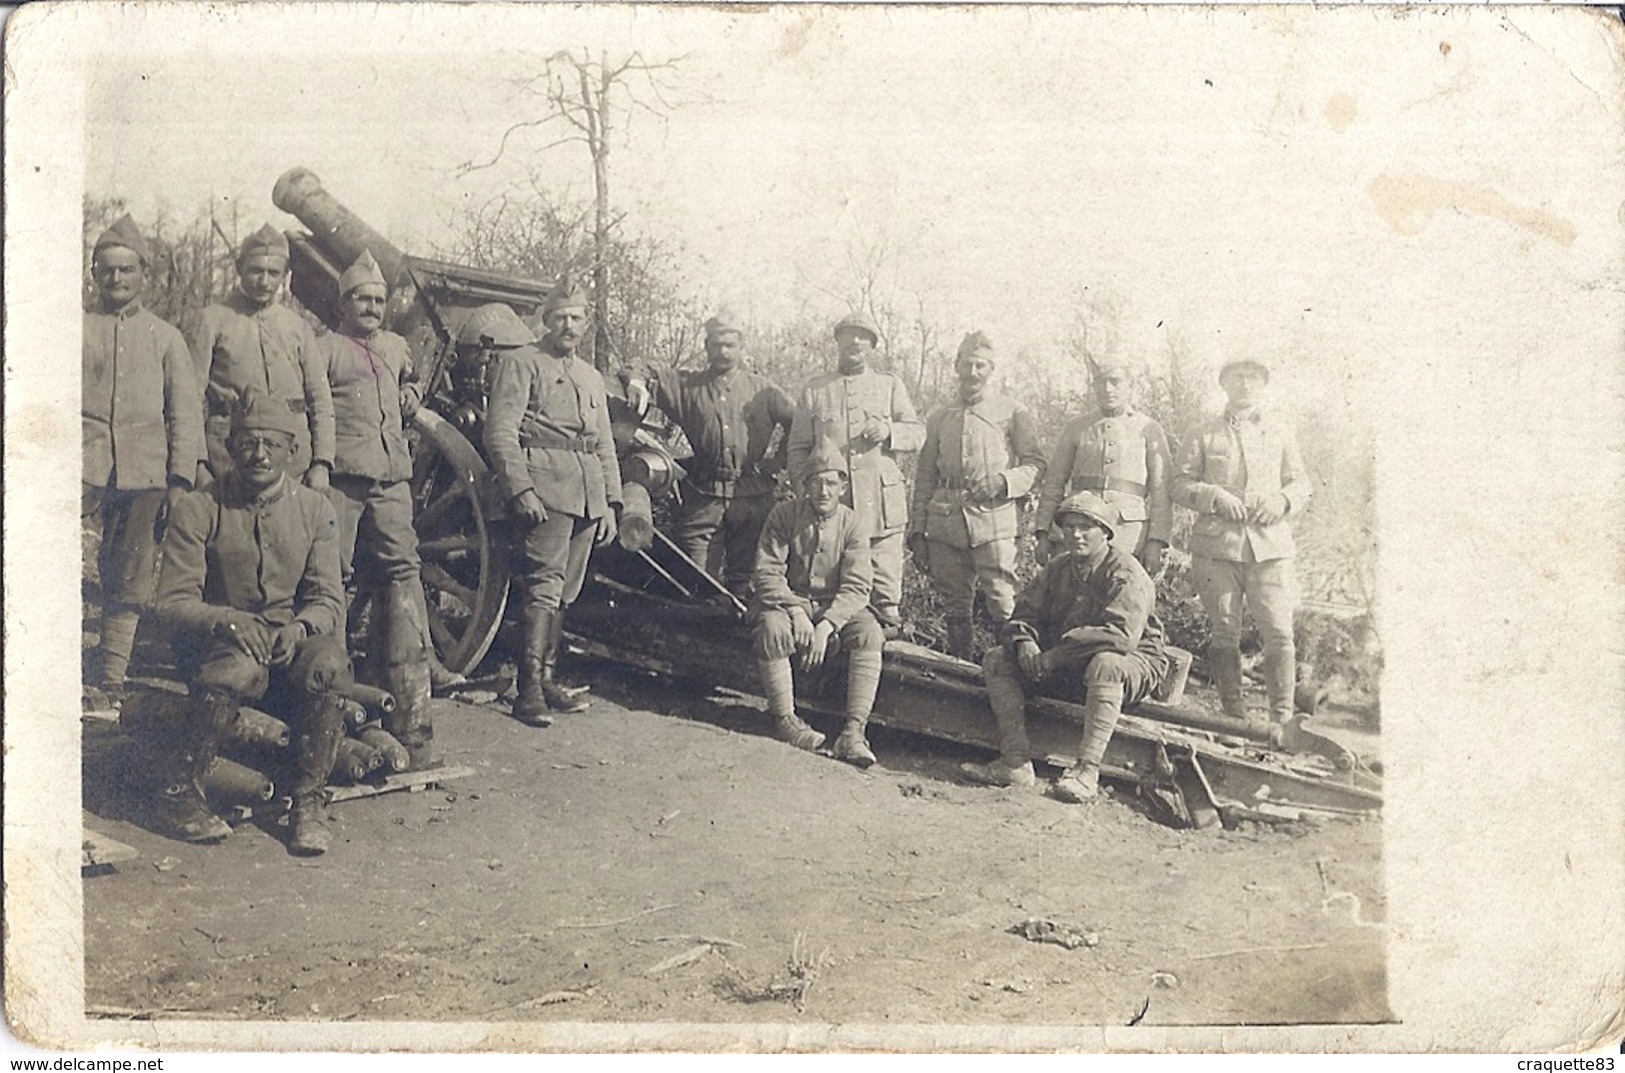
[[250, 341], [143, 442], [729, 415], [1083, 629], [868, 416], [1122, 456], [814, 569], [981, 455], [548, 437], [250, 591], [1242, 474]]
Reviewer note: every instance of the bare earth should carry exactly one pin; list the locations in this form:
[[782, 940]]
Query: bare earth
[[659, 858]]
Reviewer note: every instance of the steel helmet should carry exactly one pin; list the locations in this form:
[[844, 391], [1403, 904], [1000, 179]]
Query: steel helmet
[[1090, 506], [858, 321], [494, 325]]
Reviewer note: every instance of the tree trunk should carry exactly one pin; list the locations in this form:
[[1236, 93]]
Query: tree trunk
[[599, 106]]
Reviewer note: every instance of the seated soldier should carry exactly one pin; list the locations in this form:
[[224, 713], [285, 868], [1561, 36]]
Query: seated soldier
[[811, 595], [250, 591], [1083, 630]]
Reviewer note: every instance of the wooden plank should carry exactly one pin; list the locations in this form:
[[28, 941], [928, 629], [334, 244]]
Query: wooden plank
[[98, 849], [410, 781]]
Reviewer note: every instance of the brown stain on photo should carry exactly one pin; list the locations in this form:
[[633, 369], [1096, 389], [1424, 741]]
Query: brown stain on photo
[[1339, 111], [1408, 202]]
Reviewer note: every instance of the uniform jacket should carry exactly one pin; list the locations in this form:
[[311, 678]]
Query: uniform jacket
[[729, 419], [962, 445], [142, 417], [369, 376], [822, 565], [1075, 611], [235, 345], [276, 556], [547, 428], [1122, 458], [1256, 453], [834, 407]]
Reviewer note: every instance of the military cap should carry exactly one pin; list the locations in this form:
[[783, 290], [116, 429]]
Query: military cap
[[1090, 506], [364, 270], [723, 322], [1102, 364], [858, 321], [1261, 364], [124, 233], [566, 294], [977, 344], [254, 409], [494, 325], [825, 457], [267, 241]]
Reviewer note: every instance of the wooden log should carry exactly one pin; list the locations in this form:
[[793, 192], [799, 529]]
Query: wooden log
[[409, 781], [637, 527]]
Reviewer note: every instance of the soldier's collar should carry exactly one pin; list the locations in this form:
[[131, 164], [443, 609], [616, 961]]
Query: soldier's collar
[[1252, 417], [125, 312], [240, 494], [1126, 411]]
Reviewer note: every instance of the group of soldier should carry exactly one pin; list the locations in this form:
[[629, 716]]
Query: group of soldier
[[252, 483]]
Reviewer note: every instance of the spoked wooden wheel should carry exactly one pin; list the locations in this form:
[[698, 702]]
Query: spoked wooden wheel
[[465, 563]]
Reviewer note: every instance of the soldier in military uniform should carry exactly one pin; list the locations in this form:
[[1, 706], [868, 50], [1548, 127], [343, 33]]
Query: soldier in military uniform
[[250, 588], [738, 423], [1119, 454], [143, 442], [868, 416], [813, 572], [1243, 476], [548, 437], [251, 340], [981, 455], [1084, 631], [375, 392]]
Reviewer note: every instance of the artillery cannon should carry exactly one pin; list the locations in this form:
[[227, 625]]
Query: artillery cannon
[[652, 607]]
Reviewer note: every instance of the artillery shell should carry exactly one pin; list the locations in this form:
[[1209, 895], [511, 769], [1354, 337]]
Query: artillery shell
[[371, 696], [355, 760], [258, 729], [228, 782], [391, 751]]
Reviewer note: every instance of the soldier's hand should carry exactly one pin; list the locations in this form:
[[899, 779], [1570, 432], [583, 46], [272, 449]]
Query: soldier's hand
[[919, 549], [812, 657], [285, 642], [1268, 510], [316, 477], [204, 477], [527, 507], [876, 430], [637, 396], [411, 399], [1151, 555], [607, 528], [801, 629], [248, 633], [1030, 659], [1228, 507], [990, 489]]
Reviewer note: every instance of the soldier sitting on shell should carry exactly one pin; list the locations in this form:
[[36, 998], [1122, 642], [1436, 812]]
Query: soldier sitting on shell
[[1083, 631], [814, 571], [250, 590]]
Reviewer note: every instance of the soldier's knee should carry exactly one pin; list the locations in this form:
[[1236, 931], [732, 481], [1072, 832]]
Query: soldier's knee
[[997, 663], [237, 674], [862, 634], [1107, 668], [320, 664], [773, 637]]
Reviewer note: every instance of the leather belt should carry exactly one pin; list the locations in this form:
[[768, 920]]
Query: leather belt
[[1109, 484], [582, 443]]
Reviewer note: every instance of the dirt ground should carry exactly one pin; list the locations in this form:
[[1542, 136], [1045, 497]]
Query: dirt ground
[[659, 858]]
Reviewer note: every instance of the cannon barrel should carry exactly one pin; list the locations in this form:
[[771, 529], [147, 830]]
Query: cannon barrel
[[340, 233]]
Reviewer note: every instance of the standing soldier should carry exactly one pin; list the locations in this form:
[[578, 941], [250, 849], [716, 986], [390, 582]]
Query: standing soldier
[[1242, 474], [250, 586], [374, 393], [1122, 456], [868, 416], [143, 441], [547, 435], [981, 454], [738, 423], [250, 340]]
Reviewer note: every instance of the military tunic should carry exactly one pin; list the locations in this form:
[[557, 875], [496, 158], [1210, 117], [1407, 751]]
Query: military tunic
[[236, 344], [1124, 459], [821, 565]]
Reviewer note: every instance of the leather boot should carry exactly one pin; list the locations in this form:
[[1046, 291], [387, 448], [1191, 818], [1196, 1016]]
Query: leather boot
[[1280, 679], [406, 670], [442, 679], [317, 743], [560, 698], [961, 637], [555, 640], [530, 706], [779, 687], [1224, 664], [182, 810]]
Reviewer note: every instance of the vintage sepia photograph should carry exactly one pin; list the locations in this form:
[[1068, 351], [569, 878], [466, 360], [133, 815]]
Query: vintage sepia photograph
[[816, 528]]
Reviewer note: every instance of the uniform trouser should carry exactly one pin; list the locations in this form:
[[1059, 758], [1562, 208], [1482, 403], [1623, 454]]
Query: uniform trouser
[[738, 520], [127, 565], [1270, 590], [774, 639], [217, 429], [955, 572], [861, 640], [375, 529], [1109, 679], [552, 560], [886, 598]]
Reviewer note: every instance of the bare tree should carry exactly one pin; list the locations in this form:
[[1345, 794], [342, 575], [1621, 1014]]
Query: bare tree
[[586, 97]]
